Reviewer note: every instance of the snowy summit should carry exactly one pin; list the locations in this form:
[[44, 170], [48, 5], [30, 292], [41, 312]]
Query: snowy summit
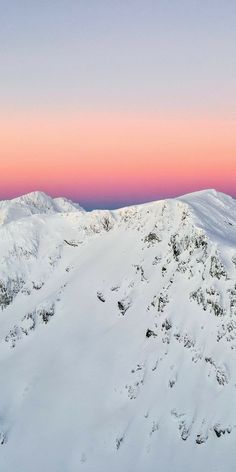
[[118, 335]]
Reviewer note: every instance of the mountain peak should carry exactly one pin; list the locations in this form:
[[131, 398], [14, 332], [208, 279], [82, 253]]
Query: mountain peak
[[136, 307], [207, 195], [34, 197], [36, 202]]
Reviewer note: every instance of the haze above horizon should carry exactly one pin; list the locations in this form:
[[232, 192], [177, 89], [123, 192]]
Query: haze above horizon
[[114, 103]]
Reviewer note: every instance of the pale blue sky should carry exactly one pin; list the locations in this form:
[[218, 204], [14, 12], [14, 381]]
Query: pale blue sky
[[171, 55]]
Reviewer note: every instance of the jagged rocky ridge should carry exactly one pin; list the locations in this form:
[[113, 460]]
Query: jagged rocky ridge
[[118, 335]]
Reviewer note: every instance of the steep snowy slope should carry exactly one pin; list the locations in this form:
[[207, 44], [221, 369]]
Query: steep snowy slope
[[118, 336]]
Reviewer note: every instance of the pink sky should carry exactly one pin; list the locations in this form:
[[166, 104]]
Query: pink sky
[[115, 157]]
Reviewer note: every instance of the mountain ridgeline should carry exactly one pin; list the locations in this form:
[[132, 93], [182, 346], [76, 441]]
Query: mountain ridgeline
[[118, 335]]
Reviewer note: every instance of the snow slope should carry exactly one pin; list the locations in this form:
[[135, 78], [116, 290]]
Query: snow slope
[[118, 336]]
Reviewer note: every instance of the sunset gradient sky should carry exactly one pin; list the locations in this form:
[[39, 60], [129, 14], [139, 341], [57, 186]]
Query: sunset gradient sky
[[115, 102]]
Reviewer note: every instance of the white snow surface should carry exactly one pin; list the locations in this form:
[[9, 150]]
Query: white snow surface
[[118, 335]]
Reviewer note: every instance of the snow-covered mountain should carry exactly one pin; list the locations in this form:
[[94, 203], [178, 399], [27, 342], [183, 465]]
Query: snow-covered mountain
[[34, 203], [118, 336]]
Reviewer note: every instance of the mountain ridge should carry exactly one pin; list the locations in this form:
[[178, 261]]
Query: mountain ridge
[[41, 195], [118, 337]]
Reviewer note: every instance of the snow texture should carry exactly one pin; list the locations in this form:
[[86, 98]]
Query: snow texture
[[118, 335]]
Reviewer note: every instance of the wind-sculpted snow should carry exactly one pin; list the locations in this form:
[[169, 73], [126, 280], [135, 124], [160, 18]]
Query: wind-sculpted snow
[[118, 335]]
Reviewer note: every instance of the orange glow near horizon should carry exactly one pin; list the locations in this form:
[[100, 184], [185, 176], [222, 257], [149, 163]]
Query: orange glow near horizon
[[115, 157]]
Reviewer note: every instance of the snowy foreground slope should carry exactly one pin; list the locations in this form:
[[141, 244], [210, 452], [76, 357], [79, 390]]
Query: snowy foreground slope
[[118, 336]]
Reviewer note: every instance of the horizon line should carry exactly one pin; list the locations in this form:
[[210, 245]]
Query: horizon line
[[116, 204]]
